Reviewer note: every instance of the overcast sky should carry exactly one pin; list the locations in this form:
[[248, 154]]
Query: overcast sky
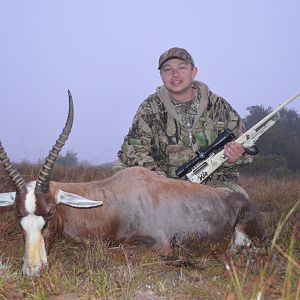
[[106, 53]]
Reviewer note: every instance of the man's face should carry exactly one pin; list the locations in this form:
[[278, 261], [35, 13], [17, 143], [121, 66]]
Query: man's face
[[177, 76]]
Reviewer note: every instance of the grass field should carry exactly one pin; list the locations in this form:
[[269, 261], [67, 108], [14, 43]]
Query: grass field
[[93, 270]]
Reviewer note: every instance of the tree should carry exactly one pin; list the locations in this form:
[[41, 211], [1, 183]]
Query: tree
[[281, 143], [70, 159]]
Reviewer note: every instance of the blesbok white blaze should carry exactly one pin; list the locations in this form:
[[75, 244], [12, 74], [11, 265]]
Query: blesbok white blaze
[[35, 252], [133, 205], [30, 200]]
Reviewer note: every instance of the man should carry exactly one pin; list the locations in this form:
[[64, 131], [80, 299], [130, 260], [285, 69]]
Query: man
[[181, 117]]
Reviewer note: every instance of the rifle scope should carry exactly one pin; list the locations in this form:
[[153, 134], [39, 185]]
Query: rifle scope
[[225, 137]]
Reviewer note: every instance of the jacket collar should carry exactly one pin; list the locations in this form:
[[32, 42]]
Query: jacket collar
[[202, 90]]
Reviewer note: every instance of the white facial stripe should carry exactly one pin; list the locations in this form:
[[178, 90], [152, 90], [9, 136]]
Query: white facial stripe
[[30, 201], [32, 223], [35, 253]]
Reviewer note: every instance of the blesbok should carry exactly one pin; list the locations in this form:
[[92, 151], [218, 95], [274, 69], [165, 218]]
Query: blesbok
[[134, 204]]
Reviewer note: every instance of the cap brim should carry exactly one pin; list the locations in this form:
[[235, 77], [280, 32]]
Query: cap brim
[[172, 57]]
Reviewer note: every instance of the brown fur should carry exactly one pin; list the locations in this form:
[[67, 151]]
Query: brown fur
[[139, 204]]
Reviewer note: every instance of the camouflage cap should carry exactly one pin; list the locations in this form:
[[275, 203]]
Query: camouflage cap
[[175, 52]]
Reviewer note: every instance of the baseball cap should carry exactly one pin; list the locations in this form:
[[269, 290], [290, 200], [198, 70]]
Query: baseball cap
[[175, 52]]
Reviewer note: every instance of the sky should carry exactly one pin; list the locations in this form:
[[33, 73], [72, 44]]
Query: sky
[[106, 53]]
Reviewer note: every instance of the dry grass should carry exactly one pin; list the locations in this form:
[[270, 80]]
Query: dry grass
[[92, 270]]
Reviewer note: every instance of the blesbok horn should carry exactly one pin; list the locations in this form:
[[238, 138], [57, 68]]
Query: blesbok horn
[[43, 178], [13, 173]]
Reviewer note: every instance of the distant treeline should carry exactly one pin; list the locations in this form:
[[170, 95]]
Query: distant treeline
[[279, 147]]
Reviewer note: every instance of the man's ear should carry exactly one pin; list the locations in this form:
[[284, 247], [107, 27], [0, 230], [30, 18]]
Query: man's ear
[[194, 73]]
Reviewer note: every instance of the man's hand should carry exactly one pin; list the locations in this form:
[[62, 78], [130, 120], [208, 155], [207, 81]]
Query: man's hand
[[233, 151]]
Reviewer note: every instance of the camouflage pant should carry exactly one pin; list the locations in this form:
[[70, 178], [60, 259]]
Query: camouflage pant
[[226, 180]]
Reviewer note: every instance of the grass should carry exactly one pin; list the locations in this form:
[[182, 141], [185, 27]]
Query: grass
[[93, 270]]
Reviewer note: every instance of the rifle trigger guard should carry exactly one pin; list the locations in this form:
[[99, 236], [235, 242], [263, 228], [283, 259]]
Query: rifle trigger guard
[[251, 150]]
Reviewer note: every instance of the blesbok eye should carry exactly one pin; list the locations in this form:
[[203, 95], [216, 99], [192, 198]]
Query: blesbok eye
[[49, 214], [45, 225], [47, 218]]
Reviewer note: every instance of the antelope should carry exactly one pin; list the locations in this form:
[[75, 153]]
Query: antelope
[[133, 205]]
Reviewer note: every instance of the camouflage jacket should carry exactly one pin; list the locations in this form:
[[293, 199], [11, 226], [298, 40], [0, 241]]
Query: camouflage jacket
[[161, 140]]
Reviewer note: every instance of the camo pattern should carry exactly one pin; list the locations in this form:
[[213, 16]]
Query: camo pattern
[[188, 112], [175, 53], [161, 143]]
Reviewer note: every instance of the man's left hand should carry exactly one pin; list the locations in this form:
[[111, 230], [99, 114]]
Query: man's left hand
[[233, 151]]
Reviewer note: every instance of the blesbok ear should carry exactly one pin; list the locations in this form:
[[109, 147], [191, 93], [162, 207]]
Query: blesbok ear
[[7, 199], [75, 200]]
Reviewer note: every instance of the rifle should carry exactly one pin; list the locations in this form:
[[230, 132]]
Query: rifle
[[197, 169]]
